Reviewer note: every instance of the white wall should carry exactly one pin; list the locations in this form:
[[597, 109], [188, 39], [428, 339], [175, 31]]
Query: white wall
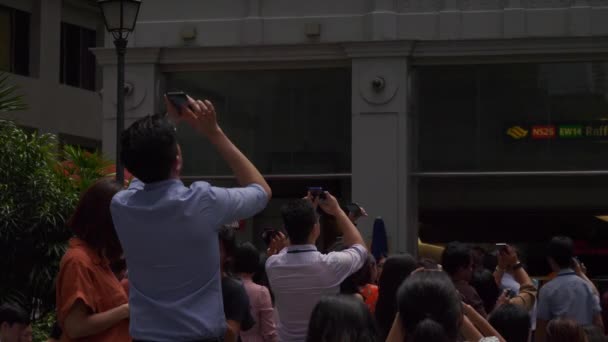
[[54, 107], [269, 22]]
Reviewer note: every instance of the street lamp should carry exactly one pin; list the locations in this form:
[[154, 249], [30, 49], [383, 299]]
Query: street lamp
[[120, 17]]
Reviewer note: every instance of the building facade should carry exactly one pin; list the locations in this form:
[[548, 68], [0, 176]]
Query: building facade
[[417, 109], [44, 46]]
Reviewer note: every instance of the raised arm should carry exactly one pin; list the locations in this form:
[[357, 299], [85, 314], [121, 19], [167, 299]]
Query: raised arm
[[350, 233], [201, 116], [507, 259]]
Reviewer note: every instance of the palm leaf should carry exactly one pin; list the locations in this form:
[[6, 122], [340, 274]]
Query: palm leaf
[[9, 100]]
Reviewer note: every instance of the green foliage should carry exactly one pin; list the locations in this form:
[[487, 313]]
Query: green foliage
[[83, 168], [9, 100], [43, 327], [35, 201]]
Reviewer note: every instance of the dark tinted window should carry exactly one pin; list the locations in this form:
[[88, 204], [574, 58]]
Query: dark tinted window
[[77, 62], [286, 121], [513, 117], [14, 41]]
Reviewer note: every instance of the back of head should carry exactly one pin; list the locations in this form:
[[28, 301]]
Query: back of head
[[13, 314], [512, 322], [485, 284], [341, 319], [456, 256], [92, 220], [561, 250], [362, 277], [246, 259], [149, 148], [395, 270], [228, 247], [565, 330], [594, 334], [430, 308], [299, 218]]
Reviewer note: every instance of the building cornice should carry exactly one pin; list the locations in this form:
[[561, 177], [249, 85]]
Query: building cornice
[[510, 47], [136, 55], [458, 51], [238, 54]]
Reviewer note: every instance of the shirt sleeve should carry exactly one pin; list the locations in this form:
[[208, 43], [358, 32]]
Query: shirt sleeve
[[526, 297], [231, 204], [74, 282], [266, 320], [543, 306], [136, 184], [346, 262]]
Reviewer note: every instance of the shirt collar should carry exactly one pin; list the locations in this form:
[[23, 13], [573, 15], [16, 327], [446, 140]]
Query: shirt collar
[[565, 271], [301, 248], [162, 184]]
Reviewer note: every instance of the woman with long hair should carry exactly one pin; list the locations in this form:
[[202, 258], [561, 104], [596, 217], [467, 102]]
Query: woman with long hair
[[396, 268], [341, 319], [431, 310], [91, 303]]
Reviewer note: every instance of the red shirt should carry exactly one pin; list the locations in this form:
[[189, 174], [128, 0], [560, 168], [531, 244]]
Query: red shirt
[[85, 275]]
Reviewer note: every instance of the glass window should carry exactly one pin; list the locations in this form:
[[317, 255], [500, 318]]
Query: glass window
[[286, 121], [14, 41], [513, 117], [77, 62]]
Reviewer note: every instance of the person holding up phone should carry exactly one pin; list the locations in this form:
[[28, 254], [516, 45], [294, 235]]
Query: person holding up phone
[[508, 263], [299, 274], [169, 232]]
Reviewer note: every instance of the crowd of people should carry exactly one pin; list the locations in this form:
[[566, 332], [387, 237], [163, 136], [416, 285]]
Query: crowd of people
[[159, 262]]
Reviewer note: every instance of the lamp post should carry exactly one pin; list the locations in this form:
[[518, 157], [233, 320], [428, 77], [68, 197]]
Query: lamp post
[[120, 17]]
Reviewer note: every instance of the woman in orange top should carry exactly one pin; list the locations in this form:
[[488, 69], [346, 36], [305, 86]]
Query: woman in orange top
[[91, 303]]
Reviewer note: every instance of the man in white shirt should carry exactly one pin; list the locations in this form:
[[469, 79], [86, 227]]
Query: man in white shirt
[[300, 275]]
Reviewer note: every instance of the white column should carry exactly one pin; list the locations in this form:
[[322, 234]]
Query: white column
[[380, 154], [143, 78]]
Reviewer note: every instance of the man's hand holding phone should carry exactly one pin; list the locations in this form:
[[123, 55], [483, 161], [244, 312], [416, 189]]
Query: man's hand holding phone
[[200, 115]]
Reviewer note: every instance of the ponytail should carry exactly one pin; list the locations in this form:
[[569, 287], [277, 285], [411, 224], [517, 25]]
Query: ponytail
[[429, 330]]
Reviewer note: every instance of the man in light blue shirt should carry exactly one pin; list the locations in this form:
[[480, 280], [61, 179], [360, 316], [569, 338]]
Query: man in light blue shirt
[[570, 295], [169, 232]]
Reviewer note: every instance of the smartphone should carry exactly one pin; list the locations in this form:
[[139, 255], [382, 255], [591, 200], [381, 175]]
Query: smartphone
[[511, 293], [178, 98], [316, 191]]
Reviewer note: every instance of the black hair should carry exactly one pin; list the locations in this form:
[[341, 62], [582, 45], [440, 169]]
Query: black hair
[[430, 308], [149, 148], [512, 322], [428, 264], [13, 314], [228, 243], [246, 259], [485, 284], [456, 256], [341, 319], [300, 218], [561, 250], [362, 277], [396, 268]]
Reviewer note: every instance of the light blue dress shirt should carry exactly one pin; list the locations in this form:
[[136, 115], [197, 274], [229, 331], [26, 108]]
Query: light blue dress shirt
[[169, 235], [568, 296]]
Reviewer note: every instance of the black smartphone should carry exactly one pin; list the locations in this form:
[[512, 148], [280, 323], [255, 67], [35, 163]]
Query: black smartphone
[[178, 98], [268, 235], [317, 191]]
